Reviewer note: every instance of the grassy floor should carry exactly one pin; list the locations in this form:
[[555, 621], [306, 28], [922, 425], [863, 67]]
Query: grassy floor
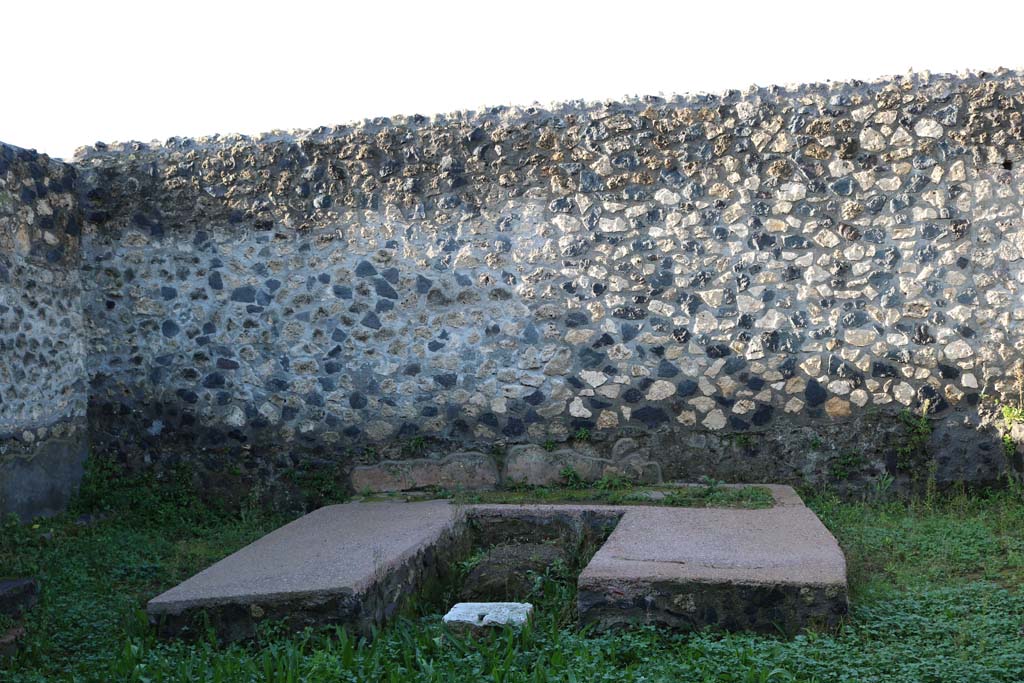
[[935, 597]]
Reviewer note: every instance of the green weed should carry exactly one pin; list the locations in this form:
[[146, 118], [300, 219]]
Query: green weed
[[846, 464], [571, 478], [912, 453]]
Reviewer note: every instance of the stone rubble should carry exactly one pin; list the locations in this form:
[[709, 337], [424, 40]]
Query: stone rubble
[[470, 617]]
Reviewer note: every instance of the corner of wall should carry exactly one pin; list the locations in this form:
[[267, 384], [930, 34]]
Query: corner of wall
[[43, 432]]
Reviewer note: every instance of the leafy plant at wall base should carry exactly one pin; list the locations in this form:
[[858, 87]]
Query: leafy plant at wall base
[[1009, 446], [467, 565], [742, 440], [571, 478], [416, 446], [610, 483], [582, 434], [882, 485], [319, 484], [711, 484], [845, 465], [1012, 415], [550, 445], [107, 486], [912, 453]]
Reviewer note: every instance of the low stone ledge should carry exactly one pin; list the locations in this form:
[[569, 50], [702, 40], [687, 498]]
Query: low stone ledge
[[531, 465], [468, 470]]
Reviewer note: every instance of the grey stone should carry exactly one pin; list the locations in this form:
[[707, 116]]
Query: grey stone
[[533, 466], [635, 468], [468, 617], [10, 640], [624, 447], [457, 471], [42, 480], [18, 596]]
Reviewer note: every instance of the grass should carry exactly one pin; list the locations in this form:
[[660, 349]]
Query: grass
[[619, 491], [934, 597], [676, 496]]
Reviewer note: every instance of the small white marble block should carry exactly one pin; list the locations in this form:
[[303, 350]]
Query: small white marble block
[[481, 615]]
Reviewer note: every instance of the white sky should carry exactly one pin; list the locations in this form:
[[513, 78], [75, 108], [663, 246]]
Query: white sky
[[81, 71]]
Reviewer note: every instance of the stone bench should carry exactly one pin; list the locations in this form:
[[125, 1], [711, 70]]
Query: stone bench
[[350, 564], [776, 569]]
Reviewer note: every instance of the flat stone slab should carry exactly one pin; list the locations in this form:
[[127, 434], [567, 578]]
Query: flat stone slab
[[474, 616], [468, 470], [768, 570], [533, 466], [348, 563]]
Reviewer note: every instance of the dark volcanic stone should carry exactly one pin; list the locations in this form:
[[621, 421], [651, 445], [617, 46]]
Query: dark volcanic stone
[[718, 350], [815, 393], [384, 289], [446, 380], [245, 295], [667, 369], [651, 416]]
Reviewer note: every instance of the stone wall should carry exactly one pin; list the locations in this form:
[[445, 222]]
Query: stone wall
[[42, 372], [752, 286]]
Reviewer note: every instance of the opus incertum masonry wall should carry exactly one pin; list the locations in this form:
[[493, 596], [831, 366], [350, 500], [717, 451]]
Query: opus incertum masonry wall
[[42, 352], [751, 286]]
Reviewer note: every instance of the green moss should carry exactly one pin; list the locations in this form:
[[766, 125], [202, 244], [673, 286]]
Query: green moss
[[742, 440], [613, 493], [846, 464]]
